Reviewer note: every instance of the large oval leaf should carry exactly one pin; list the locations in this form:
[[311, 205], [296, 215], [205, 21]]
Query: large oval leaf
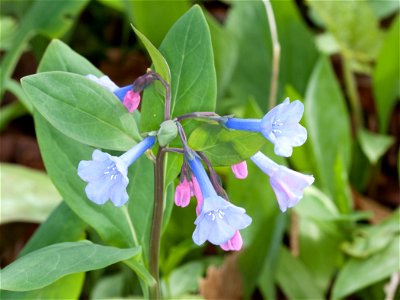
[[44, 266], [82, 109]]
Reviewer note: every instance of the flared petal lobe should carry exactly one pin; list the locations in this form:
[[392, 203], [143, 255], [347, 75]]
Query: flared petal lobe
[[288, 185], [281, 127]]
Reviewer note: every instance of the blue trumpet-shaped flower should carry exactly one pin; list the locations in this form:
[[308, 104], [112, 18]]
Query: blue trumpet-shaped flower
[[280, 126], [288, 185], [107, 175], [218, 220]]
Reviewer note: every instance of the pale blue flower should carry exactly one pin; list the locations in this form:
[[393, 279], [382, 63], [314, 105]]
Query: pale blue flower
[[280, 126], [107, 175], [107, 83], [288, 185], [218, 220]]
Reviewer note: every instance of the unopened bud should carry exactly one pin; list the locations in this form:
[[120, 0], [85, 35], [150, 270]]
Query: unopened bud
[[167, 132]]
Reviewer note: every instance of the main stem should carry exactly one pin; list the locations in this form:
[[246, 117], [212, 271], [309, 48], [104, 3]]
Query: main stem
[[352, 93], [155, 235]]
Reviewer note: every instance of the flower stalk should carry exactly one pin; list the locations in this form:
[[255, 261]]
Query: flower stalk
[[155, 235]]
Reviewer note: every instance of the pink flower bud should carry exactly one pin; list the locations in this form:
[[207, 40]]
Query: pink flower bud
[[131, 100], [182, 193], [234, 244], [240, 170]]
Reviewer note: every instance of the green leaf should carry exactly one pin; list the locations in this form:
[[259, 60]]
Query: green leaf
[[178, 283], [160, 65], [31, 200], [298, 51], [386, 76], [226, 50], [154, 18], [225, 147], [290, 269], [60, 57], [52, 19], [137, 266], [61, 156], [44, 266], [262, 252], [63, 225], [354, 26], [324, 106], [109, 286], [372, 239], [188, 51], [247, 20], [367, 271], [82, 109], [8, 26], [374, 145], [67, 287], [319, 248], [141, 200]]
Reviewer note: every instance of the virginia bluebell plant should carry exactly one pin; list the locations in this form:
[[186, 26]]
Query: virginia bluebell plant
[[218, 220]]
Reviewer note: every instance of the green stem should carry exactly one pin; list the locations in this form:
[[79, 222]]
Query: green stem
[[352, 93], [12, 56], [155, 235], [11, 112], [276, 53]]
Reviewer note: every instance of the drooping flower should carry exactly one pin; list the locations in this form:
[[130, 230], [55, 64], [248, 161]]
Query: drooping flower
[[126, 94], [218, 220], [288, 185], [240, 170], [106, 175], [280, 126]]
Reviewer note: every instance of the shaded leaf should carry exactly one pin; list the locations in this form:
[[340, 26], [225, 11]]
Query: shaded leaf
[[386, 76], [367, 271], [324, 106], [290, 269], [223, 146], [44, 266], [374, 145], [60, 57], [63, 225], [67, 287], [27, 195], [160, 65]]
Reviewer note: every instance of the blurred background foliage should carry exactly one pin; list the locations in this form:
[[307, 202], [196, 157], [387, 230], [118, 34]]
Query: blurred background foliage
[[340, 57]]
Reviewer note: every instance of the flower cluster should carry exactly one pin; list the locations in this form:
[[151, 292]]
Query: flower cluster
[[218, 220]]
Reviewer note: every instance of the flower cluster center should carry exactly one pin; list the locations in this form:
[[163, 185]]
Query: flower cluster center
[[216, 213], [112, 171], [276, 125]]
